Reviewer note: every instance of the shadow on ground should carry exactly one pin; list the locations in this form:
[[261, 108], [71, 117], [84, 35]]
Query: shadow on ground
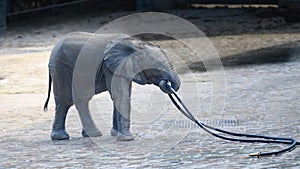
[[273, 54]]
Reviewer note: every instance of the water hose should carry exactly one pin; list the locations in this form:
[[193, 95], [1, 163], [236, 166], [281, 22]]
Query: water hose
[[248, 138]]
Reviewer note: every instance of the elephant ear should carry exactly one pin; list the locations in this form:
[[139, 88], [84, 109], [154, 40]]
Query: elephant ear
[[121, 57]]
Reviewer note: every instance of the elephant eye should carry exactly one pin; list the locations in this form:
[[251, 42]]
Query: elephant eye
[[138, 77]]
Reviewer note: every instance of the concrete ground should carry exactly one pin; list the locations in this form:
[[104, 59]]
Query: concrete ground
[[256, 92]]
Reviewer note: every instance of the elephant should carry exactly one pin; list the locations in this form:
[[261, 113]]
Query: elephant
[[122, 60]]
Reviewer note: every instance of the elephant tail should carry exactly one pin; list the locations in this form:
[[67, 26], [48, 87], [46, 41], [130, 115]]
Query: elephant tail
[[49, 91]]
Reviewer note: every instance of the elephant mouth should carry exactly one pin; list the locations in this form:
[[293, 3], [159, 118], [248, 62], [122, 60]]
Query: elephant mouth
[[153, 76], [140, 78]]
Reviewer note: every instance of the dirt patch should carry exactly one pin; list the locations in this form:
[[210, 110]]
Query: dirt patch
[[24, 73]]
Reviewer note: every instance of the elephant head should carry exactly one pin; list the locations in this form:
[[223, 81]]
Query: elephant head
[[141, 62]]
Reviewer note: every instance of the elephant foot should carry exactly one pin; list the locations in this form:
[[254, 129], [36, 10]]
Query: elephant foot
[[59, 135], [113, 132], [96, 133], [125, 137]]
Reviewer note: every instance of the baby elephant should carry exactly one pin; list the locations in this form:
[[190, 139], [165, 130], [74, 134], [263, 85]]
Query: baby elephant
[[120, 59]]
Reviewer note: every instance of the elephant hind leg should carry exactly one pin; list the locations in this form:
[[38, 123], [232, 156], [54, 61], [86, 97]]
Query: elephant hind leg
[[58, 129], [62, 79]]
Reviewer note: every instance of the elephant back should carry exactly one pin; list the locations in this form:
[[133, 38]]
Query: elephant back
[[75, 44], [67, 49]]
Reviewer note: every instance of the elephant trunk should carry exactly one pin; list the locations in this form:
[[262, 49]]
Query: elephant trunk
[[175, 81], [173, 78]]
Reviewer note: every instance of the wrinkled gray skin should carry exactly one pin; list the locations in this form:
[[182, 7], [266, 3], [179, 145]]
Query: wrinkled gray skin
[[148, 63]]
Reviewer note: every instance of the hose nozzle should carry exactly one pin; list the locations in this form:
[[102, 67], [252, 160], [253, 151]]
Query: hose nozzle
[[257, 154]]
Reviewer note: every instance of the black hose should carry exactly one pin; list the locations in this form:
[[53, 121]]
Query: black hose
[[212, 130]]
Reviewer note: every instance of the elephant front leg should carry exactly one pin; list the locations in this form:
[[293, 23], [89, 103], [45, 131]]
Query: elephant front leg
[[121, 124], [121, 119], [120, 91], [114, 130], [89, 127], [124, 133]]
